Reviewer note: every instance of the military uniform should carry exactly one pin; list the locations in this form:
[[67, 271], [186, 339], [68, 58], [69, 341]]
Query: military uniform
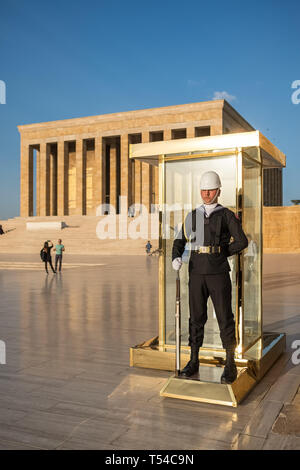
[[209, 272]]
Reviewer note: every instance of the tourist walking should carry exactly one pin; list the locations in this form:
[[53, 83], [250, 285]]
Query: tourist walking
[[148, 247], [1, 230], [47, 258], [59, 248]]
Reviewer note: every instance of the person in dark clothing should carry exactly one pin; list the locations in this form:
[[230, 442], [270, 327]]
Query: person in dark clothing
[[1, 230], [148, 247], [48, 245], [209, 229]]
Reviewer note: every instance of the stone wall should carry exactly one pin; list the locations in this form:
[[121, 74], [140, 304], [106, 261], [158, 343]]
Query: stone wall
[[281, 229]]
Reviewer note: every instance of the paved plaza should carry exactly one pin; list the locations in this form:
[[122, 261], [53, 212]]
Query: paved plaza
[[67, 383]]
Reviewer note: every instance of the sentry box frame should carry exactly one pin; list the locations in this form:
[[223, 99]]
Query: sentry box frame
[[239, 159]]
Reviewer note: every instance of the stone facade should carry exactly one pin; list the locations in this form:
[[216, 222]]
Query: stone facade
[[83, 162]]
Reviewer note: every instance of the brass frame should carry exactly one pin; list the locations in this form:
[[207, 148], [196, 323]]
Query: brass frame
[[261, 245], [162, 246], [240, 271]]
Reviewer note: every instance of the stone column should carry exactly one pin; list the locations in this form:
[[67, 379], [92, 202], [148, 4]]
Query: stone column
[[26, 193], [167, 134], [44, 179], [137, 182], [80, 177], [53, 180], [99, 189], [126, 170], [113, 175], [37, 183], [61, 178], [216, 128], [146, 178], [190, 132]]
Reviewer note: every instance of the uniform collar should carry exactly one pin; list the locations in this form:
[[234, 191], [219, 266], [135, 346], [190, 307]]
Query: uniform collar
[[215, 209]]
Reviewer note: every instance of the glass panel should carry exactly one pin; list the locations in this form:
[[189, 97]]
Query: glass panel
[[182, 194], [252, 255]]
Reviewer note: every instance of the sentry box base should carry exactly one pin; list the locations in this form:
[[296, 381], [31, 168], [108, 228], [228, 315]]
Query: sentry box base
[[206, 386]]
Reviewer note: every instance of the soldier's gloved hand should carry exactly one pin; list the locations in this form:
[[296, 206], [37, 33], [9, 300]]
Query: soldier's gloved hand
[[177, 263]]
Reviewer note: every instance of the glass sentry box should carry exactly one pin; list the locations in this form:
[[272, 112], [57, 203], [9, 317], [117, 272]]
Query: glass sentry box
[[239, 159]]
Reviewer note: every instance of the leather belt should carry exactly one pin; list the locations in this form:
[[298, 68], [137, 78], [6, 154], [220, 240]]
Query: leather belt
[[207, 249]]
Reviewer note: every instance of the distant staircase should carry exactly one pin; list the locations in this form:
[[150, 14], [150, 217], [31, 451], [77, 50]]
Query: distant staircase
[[79, 236]]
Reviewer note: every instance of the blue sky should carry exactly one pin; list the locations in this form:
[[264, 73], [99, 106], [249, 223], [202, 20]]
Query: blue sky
[[65, 59]]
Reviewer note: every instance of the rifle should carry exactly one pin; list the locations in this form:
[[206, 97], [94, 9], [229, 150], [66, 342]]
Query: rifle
[[177, 325]]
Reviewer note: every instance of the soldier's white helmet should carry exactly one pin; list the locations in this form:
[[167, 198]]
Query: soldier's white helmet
[[210, 180]]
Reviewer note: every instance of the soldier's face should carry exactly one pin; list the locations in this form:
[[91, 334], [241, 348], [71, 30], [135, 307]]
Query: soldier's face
[[208, 195]]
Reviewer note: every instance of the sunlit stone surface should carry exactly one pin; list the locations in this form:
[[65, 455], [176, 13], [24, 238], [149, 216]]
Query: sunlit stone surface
[[67, 383]]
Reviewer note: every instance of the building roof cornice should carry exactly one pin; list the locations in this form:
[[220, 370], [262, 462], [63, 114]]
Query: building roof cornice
[[140, 113]]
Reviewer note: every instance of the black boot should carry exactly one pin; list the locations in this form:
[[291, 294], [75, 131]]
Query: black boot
[[193, 365], [230, 371]]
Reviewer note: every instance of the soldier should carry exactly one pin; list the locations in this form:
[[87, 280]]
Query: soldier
[[209, 229]]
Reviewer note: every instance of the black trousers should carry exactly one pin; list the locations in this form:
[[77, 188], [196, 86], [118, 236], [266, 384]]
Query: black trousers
[[58, 260], [50, 262], [218, 287]]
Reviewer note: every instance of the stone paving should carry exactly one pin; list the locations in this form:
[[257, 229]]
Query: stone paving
[[67, 383]]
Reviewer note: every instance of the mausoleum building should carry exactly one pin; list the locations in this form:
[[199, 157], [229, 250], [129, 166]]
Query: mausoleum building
[[71, 166]]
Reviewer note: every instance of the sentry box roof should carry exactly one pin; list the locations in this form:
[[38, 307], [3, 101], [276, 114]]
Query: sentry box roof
[[271, 156]]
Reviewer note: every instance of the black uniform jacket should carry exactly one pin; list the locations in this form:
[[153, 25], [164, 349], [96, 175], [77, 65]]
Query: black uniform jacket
[[219, 228]]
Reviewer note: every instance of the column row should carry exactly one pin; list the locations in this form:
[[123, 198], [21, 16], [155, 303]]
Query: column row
[[74, 177]]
